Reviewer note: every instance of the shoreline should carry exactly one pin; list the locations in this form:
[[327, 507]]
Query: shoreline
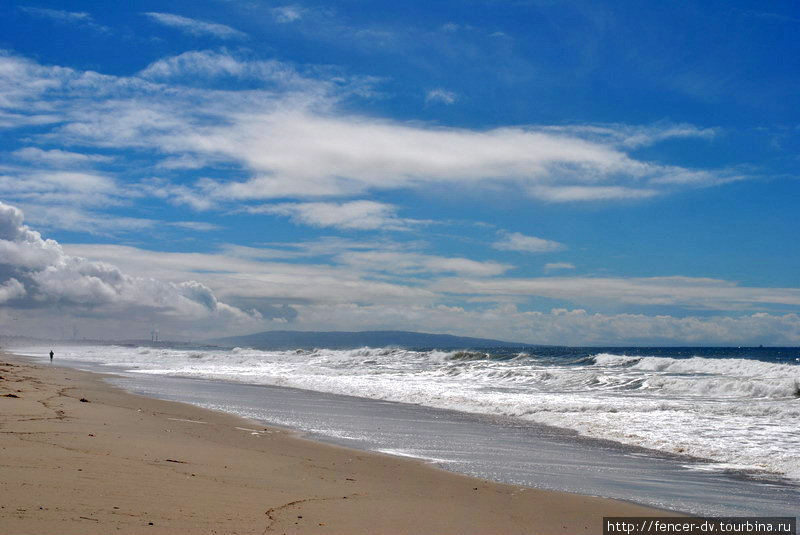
[[121, 461], [547, 458]]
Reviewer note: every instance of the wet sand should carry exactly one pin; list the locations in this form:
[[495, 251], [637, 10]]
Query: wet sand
[[80, 456]]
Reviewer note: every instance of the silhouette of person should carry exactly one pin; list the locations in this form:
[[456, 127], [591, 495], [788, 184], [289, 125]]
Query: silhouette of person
[[51, 355]]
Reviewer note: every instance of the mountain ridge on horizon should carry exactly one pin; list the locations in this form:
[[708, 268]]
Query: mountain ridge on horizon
[[356, 339]]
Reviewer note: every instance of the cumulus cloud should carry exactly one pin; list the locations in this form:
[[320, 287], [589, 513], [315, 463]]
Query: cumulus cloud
[[11, 289], [361, 283], [289, 139], [35, 273], [347, 272], [515, 241], [196, 27]]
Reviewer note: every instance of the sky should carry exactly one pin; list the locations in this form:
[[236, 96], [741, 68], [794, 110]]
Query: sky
[[546, 171]]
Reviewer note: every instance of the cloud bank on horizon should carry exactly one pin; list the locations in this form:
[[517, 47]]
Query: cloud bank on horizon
[[366, 176], [39, 279], [40, 284]]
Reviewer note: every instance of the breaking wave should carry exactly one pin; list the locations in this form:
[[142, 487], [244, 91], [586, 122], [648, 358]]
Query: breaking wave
[[738, 411]]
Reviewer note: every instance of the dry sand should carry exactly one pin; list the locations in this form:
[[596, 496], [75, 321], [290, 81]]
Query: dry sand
[[79, 456]]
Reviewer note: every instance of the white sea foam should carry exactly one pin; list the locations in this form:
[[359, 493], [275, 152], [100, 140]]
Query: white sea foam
[[738, 412]]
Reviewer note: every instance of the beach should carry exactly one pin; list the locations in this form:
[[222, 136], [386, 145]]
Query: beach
[[118, 462]]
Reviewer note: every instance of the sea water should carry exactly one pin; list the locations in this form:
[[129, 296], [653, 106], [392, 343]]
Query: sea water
[[728, 409]]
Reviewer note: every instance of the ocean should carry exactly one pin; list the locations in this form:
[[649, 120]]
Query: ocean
[[728, 412]]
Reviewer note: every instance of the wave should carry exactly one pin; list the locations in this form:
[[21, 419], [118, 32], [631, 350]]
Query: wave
[[756, 388], [610, 359], [733, 410], [697, 364], [468, 355], [710, 377]]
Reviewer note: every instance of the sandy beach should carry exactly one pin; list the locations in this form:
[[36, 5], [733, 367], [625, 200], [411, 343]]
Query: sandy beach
[[80, 456]]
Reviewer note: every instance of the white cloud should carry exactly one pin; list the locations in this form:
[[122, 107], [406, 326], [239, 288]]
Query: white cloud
[[11, 289], [51, 215], [70, 199], [395, 262], [200, 226], [691, 292], [450, 27], [279, 83], [57, 14], [346, 276], [234, 251], [294, 143], [300, 153], [75, 181], [251, 273], [558, 265], [16, 120], [684, 177], [209, 64], [177, 194], [346, 271], [40, 273], [560, 326], [286, 14], [334, 245], [77, 18], [342, 290], [590, 193], [58, 157], [356, 215], [441, 95], [58, 181], [56, 190], [287, 137], [184, 161], [633, 136], [515, 241], [196, 27]]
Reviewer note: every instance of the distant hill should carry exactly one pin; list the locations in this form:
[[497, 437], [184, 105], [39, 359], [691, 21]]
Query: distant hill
[[352, 340]]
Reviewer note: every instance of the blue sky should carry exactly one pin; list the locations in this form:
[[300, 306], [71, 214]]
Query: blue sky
[[544, 171]]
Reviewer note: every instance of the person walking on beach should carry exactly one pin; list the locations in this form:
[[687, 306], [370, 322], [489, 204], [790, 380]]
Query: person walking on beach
[[51, 355]]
